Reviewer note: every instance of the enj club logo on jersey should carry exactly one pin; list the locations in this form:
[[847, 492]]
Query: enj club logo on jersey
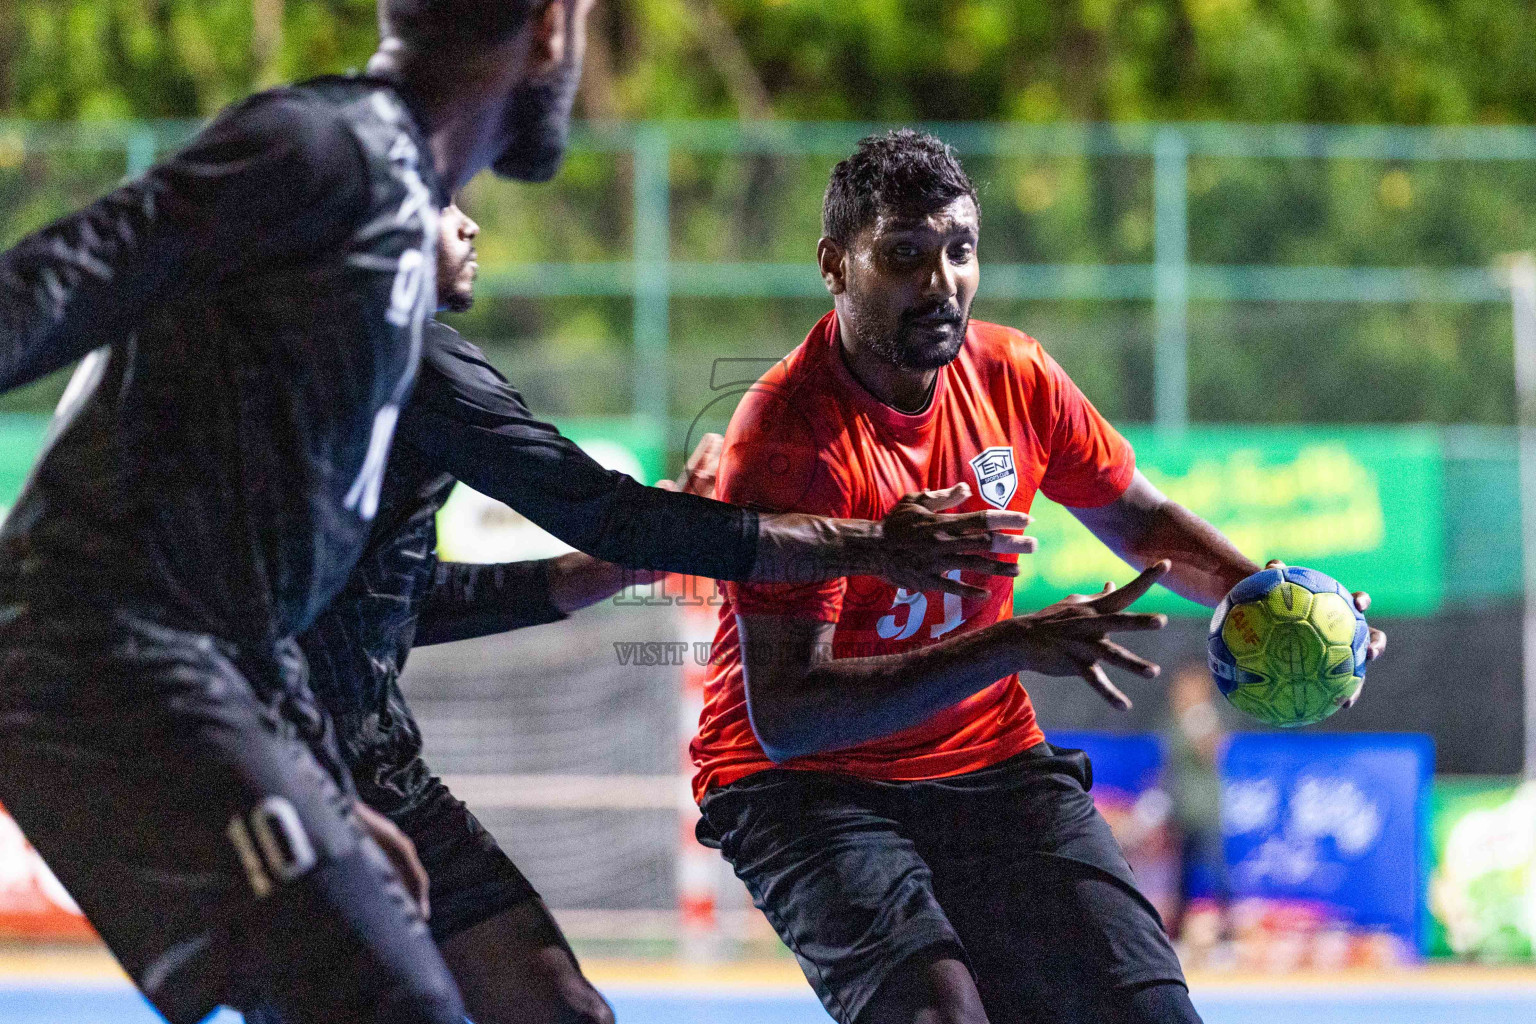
[[996, 478]]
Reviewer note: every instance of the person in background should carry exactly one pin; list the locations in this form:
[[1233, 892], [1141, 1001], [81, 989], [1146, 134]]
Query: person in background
[[1195, 737]]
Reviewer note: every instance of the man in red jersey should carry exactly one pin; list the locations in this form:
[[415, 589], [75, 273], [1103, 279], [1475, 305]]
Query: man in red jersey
[[867, 759]]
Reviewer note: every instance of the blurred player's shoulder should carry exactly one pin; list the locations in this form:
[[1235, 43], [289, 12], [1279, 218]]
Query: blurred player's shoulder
[[307, 117], [444, 347], [312, 147], [458, 381]]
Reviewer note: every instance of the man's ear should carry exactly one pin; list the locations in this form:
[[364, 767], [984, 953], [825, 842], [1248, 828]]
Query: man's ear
[[829, 258], [546, 48]]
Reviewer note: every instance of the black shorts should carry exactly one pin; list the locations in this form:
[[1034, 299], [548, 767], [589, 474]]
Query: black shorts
[[180, 799], [472, 879], [1010, 869]]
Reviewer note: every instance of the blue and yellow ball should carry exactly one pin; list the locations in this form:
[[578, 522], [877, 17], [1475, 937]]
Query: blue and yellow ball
[[1288, 646]]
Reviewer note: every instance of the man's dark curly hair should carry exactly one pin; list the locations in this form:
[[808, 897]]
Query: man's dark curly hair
[[902, 171]]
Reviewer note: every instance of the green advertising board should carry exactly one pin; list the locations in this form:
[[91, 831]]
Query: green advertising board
[[1363, 505], [1482, 869], [21, 438]]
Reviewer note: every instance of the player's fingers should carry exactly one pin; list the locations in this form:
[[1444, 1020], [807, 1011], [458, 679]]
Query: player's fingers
[[703, 466], [1118, 600], [1095, 626], [1012, 544], [666, 485], [947, 585], [1108, 653], [705, 459], [1095, 677], [978, 525], [400, 851], [1006, 519], [938, 501], [980, 563], [422, 886], [1001, 544], [1376, 645], [1112, 653], [706, 452], [1362, 601], [992, 520], [1274, 563]]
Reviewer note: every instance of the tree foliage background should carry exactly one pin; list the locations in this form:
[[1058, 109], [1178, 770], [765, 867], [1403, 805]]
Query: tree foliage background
[[1431, 62], [1400, 61]]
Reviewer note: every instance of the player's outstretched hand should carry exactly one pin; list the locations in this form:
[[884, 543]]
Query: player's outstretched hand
[[1069, 638], [917, 545], [400, 850], [1373, 647]]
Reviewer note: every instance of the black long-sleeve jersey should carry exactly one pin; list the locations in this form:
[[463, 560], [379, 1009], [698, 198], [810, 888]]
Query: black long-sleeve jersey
[[256, 306], [466, 422]]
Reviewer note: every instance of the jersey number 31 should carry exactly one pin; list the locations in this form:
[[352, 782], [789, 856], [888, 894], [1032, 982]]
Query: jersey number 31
[[908, 611]]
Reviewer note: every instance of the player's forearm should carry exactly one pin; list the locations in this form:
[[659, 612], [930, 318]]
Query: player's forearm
[[1205, 564], [468, 601], [796, 548], [1144, 527], [507, 454], [577, 580], [838, 703]]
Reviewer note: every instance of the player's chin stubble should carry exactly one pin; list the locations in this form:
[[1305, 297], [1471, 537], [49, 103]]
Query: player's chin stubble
[[908, 347], [462, 295]]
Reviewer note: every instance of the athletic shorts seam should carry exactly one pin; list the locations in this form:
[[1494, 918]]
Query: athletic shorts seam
[[1129, 888], [794, 947]]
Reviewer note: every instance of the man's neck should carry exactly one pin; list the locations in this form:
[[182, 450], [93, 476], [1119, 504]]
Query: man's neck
[[902, 389]]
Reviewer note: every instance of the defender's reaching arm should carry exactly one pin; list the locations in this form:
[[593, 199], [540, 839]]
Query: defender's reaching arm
[[803, 701], [466, 420], [469, 601]]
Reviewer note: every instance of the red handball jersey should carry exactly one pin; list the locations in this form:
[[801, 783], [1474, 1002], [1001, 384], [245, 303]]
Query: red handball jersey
[[1005, 419]]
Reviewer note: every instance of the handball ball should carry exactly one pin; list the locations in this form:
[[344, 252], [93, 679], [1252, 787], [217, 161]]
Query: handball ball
[[1287, 646]]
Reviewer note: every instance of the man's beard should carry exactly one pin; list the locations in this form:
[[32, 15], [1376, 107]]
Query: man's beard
[[539, 118], [908, 347], [460, 297]]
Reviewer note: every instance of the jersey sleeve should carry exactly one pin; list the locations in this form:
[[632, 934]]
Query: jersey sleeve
[[1090, 463], [466, 420], [774, 462], [468, 601], [269, 179]]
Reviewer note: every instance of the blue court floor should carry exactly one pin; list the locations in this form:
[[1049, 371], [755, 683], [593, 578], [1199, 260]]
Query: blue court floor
[[1373, 1004]]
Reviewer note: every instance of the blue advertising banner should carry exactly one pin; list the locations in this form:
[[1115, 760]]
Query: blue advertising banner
[[1125, 765], [1325, 838]]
